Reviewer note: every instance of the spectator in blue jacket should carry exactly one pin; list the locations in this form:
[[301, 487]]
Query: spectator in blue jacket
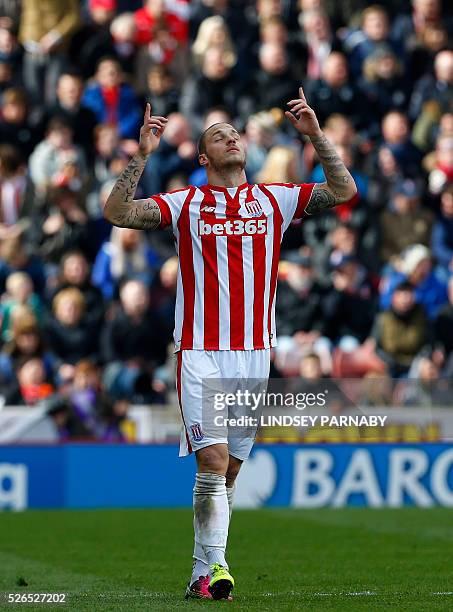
[[125, 256], [112, 100], [415, 266], [374, 32], [442, 236], [396, 139], [437, 86]]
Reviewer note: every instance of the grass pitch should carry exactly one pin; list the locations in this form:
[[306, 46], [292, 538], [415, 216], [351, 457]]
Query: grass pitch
[[330, 559]]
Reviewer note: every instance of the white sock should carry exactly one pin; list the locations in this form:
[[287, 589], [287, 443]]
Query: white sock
[[200, 566], [200, 563], [230, 494], [211, 516]]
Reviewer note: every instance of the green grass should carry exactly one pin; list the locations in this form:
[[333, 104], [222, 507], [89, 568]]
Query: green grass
[[345, 559]]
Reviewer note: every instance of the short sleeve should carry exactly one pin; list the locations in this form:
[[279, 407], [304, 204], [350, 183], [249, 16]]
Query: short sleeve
[[292, 199], [304, 195], [170, 205], [165, 212]]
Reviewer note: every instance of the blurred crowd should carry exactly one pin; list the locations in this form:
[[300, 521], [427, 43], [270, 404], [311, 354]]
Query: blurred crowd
[[364, 290]]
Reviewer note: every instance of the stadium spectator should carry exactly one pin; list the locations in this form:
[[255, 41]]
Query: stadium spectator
[[335, 92], [126, 255], [32, 384], [260, 133], [299, 299], [163, 296], [48, 160], [274, 82], [443, 323], [376, 390], [349, 305], [75, 272], [112, 100], [431, 41], [424, 386], [174, 16], [415, 265], [10, 49], [437, 87], [26, 341], [442, 235], [214, 85], [353, 235], [213, 32], [405, 222], [408, 28], [161, 91], [374, 32], [67, 227], [16, 257], [10, 13], [319, 41], [17, 126], [402, 331], [176, 155], [13, 192], [281, 166], [70, 337], [81, 120], [93, 39], [398, 145], [134, 343], [441, 165], [123, 31], [310, 368], [19, 292], [274, 31], [44, 32], [91, 405], [383, 82]]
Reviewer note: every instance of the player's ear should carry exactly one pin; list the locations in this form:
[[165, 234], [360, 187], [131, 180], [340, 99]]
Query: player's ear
[[202, 159]]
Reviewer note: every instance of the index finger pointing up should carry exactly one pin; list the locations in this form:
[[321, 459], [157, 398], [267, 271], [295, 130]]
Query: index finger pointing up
[[148, 112], [301, 94]]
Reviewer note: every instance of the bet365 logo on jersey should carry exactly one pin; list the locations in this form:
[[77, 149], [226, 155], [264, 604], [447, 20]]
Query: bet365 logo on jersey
[[232, 227]]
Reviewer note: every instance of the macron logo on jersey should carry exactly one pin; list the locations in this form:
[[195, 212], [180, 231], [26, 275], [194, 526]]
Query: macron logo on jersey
[[236, 227]]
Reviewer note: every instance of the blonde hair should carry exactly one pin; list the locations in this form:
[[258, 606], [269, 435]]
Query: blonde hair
[[71, 293], [370, 67], [203, 41], [17, 278], [277, 166]]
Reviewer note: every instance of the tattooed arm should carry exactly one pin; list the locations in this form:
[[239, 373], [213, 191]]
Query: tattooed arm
[[121, 209], [339, 186]]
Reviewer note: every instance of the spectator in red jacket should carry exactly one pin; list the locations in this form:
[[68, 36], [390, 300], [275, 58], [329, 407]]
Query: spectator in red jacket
[[154, 12]]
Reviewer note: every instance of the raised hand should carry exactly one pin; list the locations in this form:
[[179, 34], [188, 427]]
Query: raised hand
[[151, 131], [302, 116]]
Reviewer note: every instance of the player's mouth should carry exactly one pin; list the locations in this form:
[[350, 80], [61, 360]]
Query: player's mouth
[[233, 149]]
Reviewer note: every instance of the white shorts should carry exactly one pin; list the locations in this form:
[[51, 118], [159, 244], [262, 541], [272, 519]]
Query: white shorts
[[234, 367]]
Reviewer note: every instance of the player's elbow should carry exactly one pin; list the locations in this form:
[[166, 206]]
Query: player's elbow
[[348, 194], [109, 215]]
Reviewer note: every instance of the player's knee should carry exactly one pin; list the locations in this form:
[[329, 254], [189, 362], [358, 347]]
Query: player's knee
[[234, 465], [213, 459]]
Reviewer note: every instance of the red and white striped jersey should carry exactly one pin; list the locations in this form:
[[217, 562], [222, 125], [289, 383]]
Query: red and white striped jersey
[[228, 243]]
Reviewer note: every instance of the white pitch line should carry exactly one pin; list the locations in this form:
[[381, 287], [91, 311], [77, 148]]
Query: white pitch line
[[350, 593], [442, 593]]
